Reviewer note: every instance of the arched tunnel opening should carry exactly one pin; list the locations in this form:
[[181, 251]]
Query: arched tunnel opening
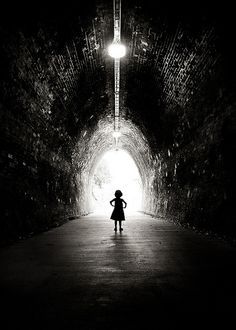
[[109, 166], [116, 169], [177, 114]]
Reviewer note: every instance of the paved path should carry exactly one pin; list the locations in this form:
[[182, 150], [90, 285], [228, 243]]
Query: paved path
[[83, 275]]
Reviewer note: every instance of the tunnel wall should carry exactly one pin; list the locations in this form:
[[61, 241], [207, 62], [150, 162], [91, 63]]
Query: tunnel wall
[[52, 92], [190, 169], [180, 92], [37, 190], [196, 180]]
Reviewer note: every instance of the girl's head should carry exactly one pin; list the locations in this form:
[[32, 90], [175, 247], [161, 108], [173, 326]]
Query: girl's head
[[118, 193]]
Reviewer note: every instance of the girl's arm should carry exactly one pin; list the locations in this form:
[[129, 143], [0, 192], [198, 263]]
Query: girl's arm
[[112, 201], [125, 203]]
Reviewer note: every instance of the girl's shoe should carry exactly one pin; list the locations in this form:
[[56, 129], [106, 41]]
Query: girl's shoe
[[121, 229], [115, 229]]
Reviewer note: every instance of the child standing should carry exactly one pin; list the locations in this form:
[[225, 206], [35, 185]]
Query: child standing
[[118, 212]]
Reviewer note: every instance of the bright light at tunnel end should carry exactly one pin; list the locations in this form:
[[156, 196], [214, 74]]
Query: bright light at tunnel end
[[116, 50], [116, 170]]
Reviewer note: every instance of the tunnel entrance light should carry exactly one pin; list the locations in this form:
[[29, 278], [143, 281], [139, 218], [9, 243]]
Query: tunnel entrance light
[[117, 50], [116, 170]]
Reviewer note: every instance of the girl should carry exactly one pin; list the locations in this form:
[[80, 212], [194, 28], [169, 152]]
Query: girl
[[118, 212]]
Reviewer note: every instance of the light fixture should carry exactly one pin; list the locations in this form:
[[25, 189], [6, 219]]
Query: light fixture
[[117, 50]]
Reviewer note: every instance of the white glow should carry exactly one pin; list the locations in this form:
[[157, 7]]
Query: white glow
[[116, 134], [116, 50], [116, 170]]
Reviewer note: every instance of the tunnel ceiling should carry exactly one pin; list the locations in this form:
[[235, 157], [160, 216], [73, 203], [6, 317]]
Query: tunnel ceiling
[[56, 66]]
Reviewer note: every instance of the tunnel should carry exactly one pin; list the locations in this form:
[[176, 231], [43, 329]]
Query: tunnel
[[157, 123], [177, 118]]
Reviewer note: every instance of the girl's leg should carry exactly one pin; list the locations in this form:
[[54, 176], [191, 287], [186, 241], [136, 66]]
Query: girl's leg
[[120, 225], [115, 225]]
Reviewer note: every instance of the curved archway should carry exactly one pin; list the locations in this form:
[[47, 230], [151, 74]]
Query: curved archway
[[93, 149]]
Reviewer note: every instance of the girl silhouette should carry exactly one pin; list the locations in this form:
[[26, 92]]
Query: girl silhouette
[[118, 212]]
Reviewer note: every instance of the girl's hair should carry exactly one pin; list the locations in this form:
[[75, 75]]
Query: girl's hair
[[118, 193]]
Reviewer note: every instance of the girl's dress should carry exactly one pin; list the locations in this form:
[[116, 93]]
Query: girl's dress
[[118, 212]]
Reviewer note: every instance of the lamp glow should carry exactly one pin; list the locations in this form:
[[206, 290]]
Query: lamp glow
[[116, 50]]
